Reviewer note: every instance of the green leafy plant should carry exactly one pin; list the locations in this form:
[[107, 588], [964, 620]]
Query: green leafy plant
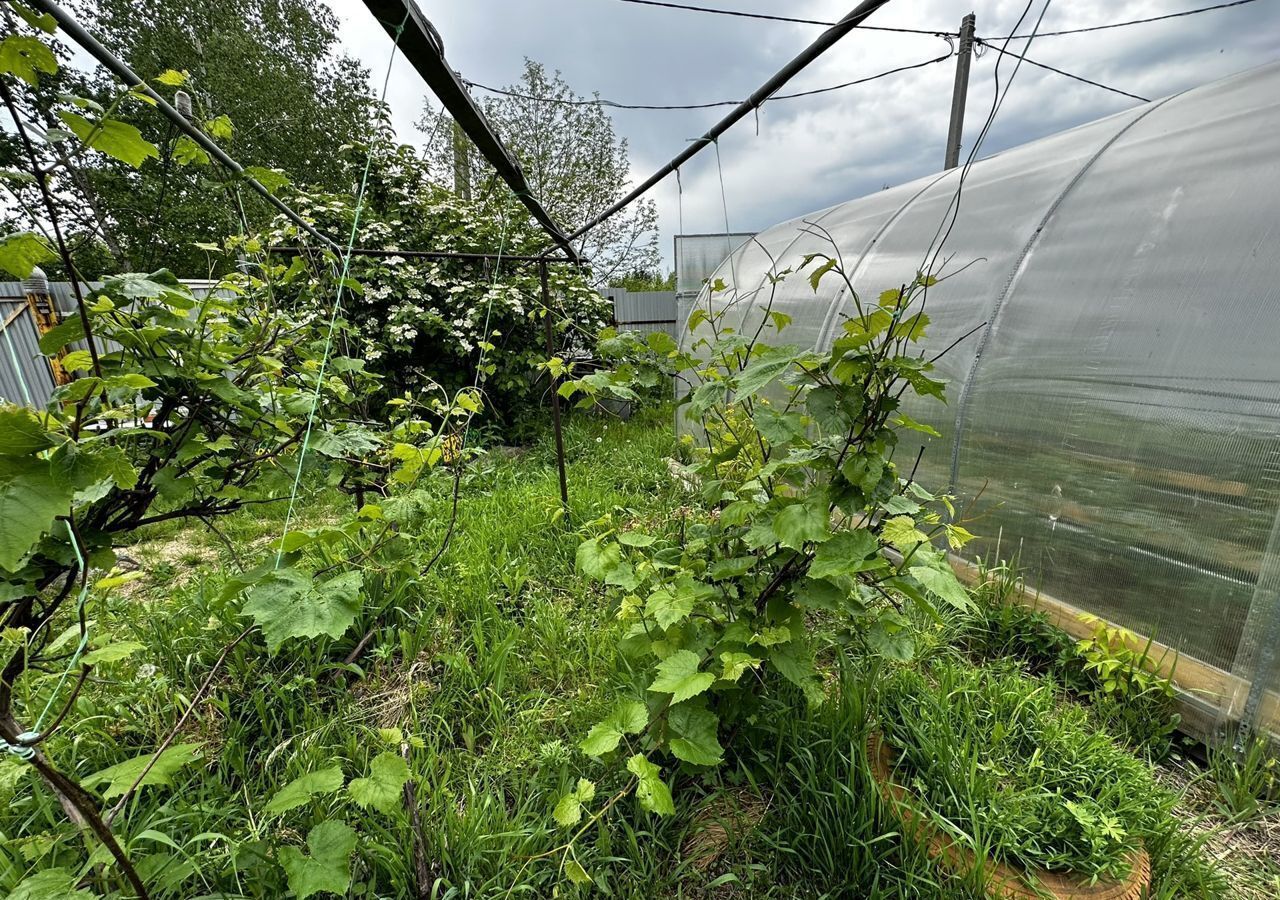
[[806, 516], [1246, 779], [1000, 759]]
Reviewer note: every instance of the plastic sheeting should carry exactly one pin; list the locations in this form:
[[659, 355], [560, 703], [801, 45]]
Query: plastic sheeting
[[1118, 410]]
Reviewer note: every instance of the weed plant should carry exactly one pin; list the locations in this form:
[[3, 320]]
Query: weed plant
[[994, 754]]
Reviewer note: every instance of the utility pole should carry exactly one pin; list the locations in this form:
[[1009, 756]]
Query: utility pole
[[963, 57]]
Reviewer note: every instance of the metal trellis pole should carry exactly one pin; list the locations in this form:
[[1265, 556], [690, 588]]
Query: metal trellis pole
[[555, 393]]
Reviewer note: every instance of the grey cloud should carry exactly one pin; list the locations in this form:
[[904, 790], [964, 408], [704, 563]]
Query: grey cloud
[[816, 151]]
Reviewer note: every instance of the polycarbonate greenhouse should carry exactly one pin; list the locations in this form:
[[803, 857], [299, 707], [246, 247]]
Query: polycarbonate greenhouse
[[1120, 410]]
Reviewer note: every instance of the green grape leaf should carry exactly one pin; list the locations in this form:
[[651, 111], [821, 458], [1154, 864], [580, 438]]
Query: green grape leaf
[[568, 811], [697, 742], [735, 664], [815, 277], [388, 774], [651, 790], [111, 653], [173, 78], [24, 55], [794, 662], [186, 151], [764, 371], [290, 604], [71, 329], [328, 868], [800, 523], [846, 553], [22, 433], [273, 180], [596, 560], [21, 253], [901, 532], [891, 641], [50, 884], [120, 777], [574, 872], [119, 140], [31, 497], [667, 608], [678, 675], [300, 791], [733, 567], [630, 717], [943, 584]]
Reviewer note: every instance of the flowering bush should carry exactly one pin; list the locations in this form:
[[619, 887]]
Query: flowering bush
[[419, 320]]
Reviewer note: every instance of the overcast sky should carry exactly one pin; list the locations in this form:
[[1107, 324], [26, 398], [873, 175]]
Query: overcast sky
[[816, 151]]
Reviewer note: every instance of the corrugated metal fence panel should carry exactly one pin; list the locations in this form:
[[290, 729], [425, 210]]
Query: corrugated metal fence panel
[[644, 311], [25, 378]]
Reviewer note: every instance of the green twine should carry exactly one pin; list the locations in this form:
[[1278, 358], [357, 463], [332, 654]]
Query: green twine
[[337, 307]]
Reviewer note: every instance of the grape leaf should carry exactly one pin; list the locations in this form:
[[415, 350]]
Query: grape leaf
[[846, 553], [800, 523], [568, 811], [111, 653], [596, 560], [629, 717], [735, 664], [50, 884], [697, 742], [119, 140], [678, 675], [24, 55], [21, 253], [328, 868], [651, 790], [901, 531], [381, 790], [120, 777], [21, 432], [303, 788], [944, 584], [31, 497], [290, 604]]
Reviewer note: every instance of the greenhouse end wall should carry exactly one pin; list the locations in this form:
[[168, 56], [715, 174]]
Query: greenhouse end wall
[[1118, 408]]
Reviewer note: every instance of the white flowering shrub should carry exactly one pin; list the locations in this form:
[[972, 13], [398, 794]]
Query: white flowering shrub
[[417, 321]]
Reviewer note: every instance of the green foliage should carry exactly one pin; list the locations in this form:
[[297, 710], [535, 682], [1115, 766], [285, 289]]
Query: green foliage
[[303, 788], [327, 868], [425, 322], [388, 773], [121, 777], [805, 513], [1247, 779], [291, 604], [998, 757]]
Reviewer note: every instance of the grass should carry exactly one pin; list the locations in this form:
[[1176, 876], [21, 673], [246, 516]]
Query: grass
[[486, 672]]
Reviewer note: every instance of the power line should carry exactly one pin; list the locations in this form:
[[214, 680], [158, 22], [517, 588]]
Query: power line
[[1177, 15], [771, 18], [798, 63], [1081, 78], [615, 105]]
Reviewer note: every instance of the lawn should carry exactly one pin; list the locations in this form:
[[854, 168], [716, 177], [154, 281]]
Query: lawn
[[483, 676]]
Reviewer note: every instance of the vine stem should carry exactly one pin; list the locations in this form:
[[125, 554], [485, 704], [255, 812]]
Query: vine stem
[[42, 179]]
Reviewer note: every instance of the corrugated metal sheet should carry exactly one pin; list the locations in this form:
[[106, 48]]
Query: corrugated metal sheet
[[644, 311]]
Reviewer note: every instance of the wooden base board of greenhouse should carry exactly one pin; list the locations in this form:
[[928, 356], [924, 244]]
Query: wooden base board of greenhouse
[[1208, 697]]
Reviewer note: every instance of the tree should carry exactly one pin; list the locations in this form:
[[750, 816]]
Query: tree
[[574, 161], [265, 82], [420, 322]]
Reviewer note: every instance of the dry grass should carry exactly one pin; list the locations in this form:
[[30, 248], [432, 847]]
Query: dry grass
[[1248, 853]]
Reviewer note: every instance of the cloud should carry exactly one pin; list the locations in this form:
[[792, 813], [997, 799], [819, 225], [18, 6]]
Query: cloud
[[816, 151]]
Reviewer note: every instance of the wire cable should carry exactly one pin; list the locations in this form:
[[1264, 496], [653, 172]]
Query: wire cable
[[1177, 15], [772, 18], [503, 92], [1080, 78]]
